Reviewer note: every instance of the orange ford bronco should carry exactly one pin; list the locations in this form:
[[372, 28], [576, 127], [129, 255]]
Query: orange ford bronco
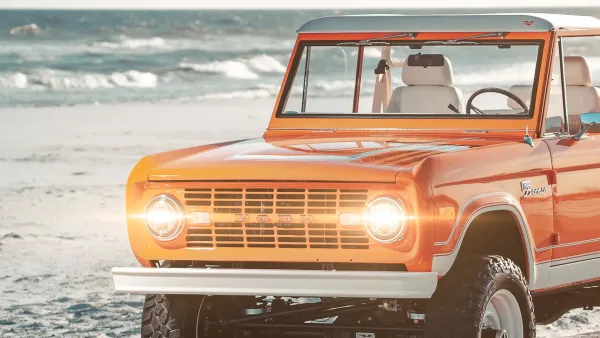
[[422, 200]]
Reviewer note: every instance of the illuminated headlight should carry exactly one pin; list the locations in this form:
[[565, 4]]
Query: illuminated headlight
[[164, 217], [385, 219]]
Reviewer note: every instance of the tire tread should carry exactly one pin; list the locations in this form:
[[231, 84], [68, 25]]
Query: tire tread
[[158, 320], [461, 297]]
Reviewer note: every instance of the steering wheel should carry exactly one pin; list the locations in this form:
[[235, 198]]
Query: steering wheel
[[517, 99]]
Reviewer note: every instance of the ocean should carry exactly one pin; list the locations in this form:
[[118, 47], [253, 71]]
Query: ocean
[[57, 58]]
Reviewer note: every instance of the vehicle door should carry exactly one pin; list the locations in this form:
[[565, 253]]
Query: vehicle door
[[576, 168]]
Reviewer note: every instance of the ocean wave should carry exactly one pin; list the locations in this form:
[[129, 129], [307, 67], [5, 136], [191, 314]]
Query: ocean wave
[[126, 43], [240, 69], [30, 29], [63, 80], [234, 44], [14, 80], [519, 73], [231, 69], [335, 85]]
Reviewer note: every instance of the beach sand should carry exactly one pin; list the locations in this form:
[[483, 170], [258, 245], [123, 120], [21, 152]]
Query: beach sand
[[62, 218]]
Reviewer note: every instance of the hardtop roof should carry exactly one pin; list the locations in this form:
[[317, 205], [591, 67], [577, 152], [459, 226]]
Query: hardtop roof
[[497, 22]]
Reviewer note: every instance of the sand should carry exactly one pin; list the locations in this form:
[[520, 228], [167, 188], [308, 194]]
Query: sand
[[62, 217]]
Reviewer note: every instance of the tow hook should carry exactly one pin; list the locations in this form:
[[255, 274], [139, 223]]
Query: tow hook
[[493, 333]]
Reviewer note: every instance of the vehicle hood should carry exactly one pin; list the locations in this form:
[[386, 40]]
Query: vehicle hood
[[365, 159]]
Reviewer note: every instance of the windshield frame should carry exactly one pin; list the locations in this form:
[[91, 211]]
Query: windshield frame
[[295, 70], [416, 125]]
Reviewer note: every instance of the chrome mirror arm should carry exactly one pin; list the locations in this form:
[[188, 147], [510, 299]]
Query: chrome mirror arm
[[582, 135]]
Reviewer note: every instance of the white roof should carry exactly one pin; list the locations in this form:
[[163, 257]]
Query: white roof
[[504, 22]]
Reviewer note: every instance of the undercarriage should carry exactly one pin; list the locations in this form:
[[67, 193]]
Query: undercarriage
[[229, 317], [288, 317]]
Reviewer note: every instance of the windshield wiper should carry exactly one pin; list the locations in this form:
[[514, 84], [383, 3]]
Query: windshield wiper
[[466, 40], [377, 41]]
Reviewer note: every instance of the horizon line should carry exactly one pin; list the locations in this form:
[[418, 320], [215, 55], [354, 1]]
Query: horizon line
[[109, 8]]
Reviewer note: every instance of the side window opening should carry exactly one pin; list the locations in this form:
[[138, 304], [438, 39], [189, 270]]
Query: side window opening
[[324, 78], [555, 122], [582, 78]]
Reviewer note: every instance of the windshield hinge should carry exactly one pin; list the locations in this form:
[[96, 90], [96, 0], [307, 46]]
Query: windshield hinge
[[527, 139]]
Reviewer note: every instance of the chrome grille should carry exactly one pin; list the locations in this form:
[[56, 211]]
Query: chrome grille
[[309, 218]]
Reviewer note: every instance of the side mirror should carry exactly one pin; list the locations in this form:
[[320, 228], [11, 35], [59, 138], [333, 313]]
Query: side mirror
[[554, 124], [588, 120]]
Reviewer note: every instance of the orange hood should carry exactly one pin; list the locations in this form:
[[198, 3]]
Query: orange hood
[[370, 159]]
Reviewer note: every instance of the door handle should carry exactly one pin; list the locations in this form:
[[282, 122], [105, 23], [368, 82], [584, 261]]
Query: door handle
[[551, 177]]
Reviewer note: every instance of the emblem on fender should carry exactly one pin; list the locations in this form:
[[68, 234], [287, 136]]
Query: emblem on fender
[[528, 189]]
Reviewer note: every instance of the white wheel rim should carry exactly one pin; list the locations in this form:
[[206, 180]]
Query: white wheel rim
[[503, 313]]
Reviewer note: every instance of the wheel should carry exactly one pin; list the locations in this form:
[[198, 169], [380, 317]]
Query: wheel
[[481, 294], [178, 316]]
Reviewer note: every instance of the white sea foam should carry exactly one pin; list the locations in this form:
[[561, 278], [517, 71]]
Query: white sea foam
[[29, 29], [13, 80], [124, 42], [133, 78], [373, 52], [62, 80], [266, 64], [231, 69], [239, 68], [518, 73], [335, 85]]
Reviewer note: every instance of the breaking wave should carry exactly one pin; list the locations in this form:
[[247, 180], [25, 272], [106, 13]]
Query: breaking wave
[[57, 80], [240, 69], [124, 42]]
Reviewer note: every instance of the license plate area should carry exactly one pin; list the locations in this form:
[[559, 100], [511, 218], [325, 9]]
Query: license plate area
[[365, 335]]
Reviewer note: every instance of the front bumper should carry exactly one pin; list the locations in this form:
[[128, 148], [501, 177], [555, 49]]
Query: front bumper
[[292, 283]]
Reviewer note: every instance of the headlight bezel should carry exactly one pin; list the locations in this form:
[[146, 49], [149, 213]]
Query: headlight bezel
[[181, 217], [399, 205]]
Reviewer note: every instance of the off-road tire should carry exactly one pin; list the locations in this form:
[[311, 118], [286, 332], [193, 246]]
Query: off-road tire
[[169, 316], [458, 305]]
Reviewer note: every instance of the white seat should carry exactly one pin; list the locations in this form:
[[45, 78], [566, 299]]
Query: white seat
[[582, 97], [427, 91]]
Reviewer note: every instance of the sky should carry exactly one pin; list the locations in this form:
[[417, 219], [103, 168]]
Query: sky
[[283, 4]]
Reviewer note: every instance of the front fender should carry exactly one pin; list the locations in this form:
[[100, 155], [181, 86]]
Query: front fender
[[446, 252]]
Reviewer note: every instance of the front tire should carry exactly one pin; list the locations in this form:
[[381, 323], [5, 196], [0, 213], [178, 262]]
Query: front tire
[[186, 316], [481, 292], [169, 317]]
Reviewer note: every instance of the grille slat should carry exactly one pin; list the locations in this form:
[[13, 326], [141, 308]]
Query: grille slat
[[295, 218]]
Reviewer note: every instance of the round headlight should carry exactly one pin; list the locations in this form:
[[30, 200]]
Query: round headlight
[[385, 219], [164, 217]]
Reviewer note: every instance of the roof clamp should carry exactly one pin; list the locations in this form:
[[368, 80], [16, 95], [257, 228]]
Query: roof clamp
[[527, 139]]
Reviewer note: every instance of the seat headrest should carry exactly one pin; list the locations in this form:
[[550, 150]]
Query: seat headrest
[[577, 71], [430, 76]]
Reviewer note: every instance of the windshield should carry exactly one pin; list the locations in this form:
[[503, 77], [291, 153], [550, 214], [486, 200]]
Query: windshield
[[454, 78]]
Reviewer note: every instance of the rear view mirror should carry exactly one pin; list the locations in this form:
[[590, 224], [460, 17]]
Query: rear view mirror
[[588, 121], [425, 60]]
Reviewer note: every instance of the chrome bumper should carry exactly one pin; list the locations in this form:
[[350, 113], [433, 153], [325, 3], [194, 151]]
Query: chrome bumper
[[293, 283]]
